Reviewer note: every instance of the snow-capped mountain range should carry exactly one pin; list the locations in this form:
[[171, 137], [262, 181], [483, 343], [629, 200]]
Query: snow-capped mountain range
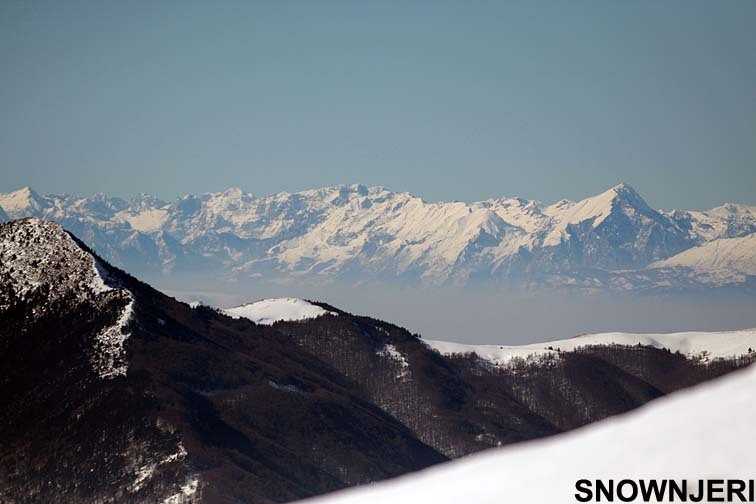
[[356, 233]]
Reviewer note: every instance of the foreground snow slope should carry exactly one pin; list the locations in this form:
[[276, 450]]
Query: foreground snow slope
[[704, 344], [702, 433], [269, 311]]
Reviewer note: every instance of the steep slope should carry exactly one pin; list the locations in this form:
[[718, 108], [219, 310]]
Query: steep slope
[[355, 233], [615, 229], [703, 433], [721, 261], [107, 380], [23, 203], [394, 235], [399, 373]]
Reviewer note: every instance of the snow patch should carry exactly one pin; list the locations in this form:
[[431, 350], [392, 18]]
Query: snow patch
[[392, 353], [146, 221], [109, 360], [187, 494], [270, 311], [99, 283], [285, 388], [145, 472]]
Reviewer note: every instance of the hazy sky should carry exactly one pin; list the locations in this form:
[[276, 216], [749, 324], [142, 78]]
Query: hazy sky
[[448, 100]]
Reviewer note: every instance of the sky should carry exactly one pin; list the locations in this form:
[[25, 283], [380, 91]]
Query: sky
[[447, 100]]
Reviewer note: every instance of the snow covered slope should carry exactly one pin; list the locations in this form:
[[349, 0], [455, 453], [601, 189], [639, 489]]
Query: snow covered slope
[[22, 203], [726, 221], [708, 345], [357, 233], [270, 311], [719, 260], [701, 433]]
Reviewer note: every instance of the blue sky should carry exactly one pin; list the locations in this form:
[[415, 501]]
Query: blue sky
[[448, 100]]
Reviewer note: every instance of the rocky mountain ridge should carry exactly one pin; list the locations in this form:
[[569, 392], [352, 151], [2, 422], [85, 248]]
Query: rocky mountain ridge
[[355, 233]]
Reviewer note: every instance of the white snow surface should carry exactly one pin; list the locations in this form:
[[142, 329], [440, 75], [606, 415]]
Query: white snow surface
[[708, 345], [145, 472], [187, 493], [595, 209], [392, 353], [726, 221], [270, 311], [704, 432], [726, 255]]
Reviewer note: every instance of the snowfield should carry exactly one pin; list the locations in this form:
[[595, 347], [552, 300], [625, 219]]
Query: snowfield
[[726, 256], [270, 311], [704, 432], [707, 345]]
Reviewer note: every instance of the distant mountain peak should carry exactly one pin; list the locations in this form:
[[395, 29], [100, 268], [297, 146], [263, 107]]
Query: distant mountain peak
[[233, 192], [26, 191], [624, 193], [624, 187], [23, 202], [621, 190]]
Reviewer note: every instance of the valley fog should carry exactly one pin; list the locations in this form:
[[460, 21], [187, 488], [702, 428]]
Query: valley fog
[[490, 316]]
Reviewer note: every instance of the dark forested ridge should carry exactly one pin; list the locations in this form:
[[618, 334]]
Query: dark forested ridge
[[460, 404], [193, 406]]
